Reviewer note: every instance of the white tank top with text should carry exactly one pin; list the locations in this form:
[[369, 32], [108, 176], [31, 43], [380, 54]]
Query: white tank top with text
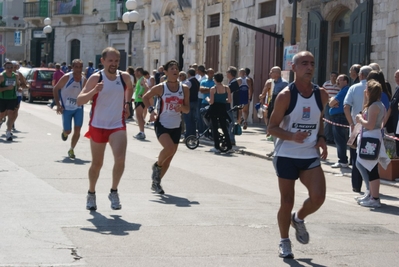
[[70, 92], [168, 116], [304, 117]]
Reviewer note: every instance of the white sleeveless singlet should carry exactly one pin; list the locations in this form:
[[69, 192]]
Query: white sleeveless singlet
[[69, 93], [304, 117], [168, 116], [108, 108]]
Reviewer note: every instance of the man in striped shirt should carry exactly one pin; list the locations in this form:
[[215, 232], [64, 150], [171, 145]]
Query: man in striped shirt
[[332, 90]]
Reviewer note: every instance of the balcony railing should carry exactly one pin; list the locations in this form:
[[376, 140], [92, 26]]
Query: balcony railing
[[68, 7], [37, 9], [117, 9]]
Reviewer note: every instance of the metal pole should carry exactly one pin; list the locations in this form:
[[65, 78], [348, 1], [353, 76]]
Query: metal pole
[[47, 48], [129, 59], [293, 28]]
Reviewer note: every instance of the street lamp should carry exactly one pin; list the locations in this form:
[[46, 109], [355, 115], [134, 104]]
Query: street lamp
[[47, 30], [293, 28], [130, 18]]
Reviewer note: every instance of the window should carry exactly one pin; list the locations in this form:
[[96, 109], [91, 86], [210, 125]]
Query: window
[[214, 20], [267, 9]]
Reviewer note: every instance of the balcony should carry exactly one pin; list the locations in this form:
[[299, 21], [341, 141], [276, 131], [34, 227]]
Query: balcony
[[35, 12], [68, 10], [115, 23]]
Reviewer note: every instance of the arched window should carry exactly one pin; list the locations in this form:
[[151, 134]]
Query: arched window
[[75, 49]]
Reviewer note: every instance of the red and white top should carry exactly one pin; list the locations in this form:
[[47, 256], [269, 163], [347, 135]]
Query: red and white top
[[108, 108], [332, 89], [168, 116]]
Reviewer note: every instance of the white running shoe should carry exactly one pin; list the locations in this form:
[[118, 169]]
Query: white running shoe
[[115, 203], [91, 202], [140, 136], [301, 233], [340, 165], [284, 250], [215, 150], [370, 202]]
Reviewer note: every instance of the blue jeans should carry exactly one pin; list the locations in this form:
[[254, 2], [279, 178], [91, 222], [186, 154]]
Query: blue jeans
[[328, 127], [231, 126], [341, 136], [200, 122], [190, 119]]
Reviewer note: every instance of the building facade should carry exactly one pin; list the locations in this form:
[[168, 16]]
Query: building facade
[[12, 28], [216, 33]]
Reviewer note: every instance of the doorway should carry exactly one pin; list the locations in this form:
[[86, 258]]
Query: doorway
[[340, 43], [180, 51]]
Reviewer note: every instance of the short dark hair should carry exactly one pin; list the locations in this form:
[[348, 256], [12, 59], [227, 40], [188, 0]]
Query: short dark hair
[[140, 69], [218, 77], [90, 63], [247, 71], [145, 73], [233, 71], [201, 68], [170, 63], [334, 72], [191, 71], [346, 78]]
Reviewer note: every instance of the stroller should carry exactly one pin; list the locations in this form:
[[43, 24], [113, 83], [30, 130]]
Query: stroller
[[192, 141]]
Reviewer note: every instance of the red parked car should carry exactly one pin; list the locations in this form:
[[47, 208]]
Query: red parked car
[[39, 84]]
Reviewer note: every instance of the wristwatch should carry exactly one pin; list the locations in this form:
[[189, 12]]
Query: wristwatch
[[150, 109]]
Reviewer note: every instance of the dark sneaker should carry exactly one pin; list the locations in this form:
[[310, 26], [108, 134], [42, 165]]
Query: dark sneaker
[[156, 173], [63, 136], [301, 233], [71, 153], [115, 203], [9, 136], [284, 250], [157, 188], [91, 202]]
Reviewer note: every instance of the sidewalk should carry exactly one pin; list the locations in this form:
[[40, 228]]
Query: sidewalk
[[253, 142]]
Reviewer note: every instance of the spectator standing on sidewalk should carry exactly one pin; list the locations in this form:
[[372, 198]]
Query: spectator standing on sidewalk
[[297, 122], [354, 73], [219, 96], [231, 75], [337, 115], [201, 76], [353, 105], [56, 77], [205, 86], [332, 90], [190, 119]]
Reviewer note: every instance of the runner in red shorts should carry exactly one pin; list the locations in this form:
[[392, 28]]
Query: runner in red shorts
[[110, 91]]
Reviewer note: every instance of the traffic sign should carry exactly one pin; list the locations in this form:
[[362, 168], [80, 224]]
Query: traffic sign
[[2, 50]]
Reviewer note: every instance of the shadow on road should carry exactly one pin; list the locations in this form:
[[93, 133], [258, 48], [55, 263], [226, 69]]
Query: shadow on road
[[387, 209], [296, 263], [76, 161], [107, 226], [173, 200]]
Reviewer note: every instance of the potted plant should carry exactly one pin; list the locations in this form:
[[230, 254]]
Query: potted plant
[[392, 171]]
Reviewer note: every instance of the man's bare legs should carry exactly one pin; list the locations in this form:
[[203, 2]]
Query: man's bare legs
[[118, 143], [97, 154], [167, 153]]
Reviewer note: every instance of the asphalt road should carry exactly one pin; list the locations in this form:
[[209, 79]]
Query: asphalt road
[[218, 210]]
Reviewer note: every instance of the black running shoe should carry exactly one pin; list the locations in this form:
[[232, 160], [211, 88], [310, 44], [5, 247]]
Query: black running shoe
[[64, 137], [157, 188]]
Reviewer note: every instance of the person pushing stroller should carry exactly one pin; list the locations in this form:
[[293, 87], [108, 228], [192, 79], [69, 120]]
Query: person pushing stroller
[[219, 100]]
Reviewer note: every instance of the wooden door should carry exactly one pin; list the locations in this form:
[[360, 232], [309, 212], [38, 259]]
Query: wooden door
[[317, 45], [212, 52], [360, 34]]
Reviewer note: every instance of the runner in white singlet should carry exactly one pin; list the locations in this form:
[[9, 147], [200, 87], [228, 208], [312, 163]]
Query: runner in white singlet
[[174, 99], [111, 91], [69, 86], [297, 122]]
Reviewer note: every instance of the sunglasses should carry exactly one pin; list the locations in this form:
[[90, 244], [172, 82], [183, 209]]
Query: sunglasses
[[9, 67]]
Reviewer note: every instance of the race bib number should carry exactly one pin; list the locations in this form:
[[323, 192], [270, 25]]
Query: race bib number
[[172, 103], [10, 82], [71, 102]]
